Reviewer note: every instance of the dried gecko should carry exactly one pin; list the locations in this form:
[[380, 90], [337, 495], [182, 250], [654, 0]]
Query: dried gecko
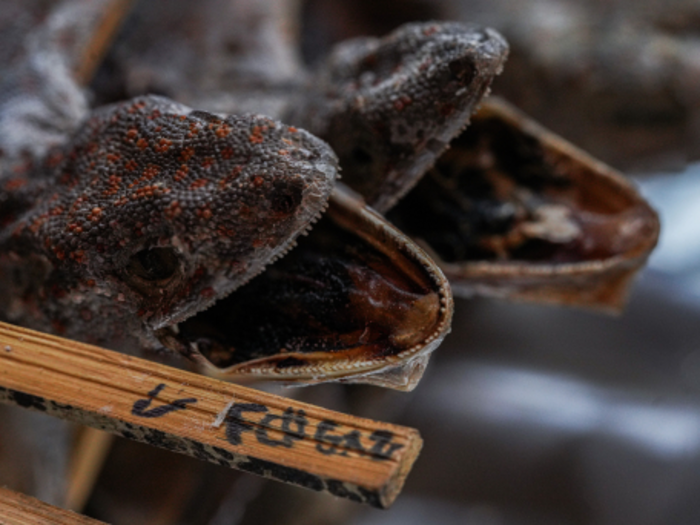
[[151, 212]]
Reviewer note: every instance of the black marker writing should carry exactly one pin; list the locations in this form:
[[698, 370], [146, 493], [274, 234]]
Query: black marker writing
[[140, 406], [283, 430], [235, 425]]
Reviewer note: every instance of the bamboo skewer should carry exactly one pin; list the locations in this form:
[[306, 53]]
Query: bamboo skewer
[[279, 438], [88, 457], [99, 37], [18, 509]]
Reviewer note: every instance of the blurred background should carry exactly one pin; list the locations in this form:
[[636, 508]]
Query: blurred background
[[530, 414]]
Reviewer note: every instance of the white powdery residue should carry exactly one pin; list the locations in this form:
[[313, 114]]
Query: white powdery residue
[[222, 415]]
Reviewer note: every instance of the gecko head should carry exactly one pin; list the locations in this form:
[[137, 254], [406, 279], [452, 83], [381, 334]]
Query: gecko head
[[396, 102], [163, 209]]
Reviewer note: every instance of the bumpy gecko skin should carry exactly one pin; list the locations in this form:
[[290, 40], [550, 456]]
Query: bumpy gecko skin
[[150, 213], [389, 107]]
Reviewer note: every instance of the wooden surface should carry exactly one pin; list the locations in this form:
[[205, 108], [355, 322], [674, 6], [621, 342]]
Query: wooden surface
[[18, 509], [279, 438], [103, 31], [88, 456]]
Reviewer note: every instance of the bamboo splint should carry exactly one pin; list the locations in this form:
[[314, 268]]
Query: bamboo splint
[[279, 438], [18, 509]]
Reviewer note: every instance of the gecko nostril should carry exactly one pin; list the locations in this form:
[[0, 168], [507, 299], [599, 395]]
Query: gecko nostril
[[462, 69], [285, 198]]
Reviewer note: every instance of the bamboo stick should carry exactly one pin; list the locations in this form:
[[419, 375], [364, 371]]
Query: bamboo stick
[[101, 34], [86, 463], [279, 438], [18, 509]]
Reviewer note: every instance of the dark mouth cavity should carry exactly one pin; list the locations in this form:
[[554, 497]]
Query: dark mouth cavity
[[332, 294], [500, 194]]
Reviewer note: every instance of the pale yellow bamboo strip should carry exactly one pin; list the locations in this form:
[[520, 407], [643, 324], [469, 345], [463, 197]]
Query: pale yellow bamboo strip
[[18, 509], [228, 424], [88, 457], [104, 32]]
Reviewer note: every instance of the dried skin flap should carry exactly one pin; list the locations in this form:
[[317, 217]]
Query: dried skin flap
[[355, 302], [514, 211]]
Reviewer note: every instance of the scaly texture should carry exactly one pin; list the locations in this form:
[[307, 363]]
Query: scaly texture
[[389, 107], [150, 213]]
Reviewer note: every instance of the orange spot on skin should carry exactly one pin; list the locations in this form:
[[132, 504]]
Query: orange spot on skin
[[113, 157], [78, 256], [292, 129], [148, 192], [131, 165], [227, 153], [142, 143], [256, 137], [208, 162], [181, 173], [186, 154], [173, 210], [199, 183], [150, 172], [94, 214], [132, 134], [204, 213], [225, 232], [136, 106], [113, 184], [223, 130], [163, 145], [258, 181], [235, 172]]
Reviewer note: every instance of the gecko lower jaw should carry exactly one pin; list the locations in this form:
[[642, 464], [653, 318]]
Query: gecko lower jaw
[[353, 297]]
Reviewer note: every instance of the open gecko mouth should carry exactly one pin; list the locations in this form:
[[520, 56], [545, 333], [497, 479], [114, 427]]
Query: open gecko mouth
[[514, 209], [355, 297]]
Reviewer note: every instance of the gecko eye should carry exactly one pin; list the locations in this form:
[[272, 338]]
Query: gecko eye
[[154, 264]]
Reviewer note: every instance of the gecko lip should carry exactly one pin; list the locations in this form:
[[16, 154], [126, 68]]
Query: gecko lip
[[355, 298], [513, 210]]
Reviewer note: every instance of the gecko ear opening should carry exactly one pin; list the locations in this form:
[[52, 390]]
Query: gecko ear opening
[[353, 300]]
